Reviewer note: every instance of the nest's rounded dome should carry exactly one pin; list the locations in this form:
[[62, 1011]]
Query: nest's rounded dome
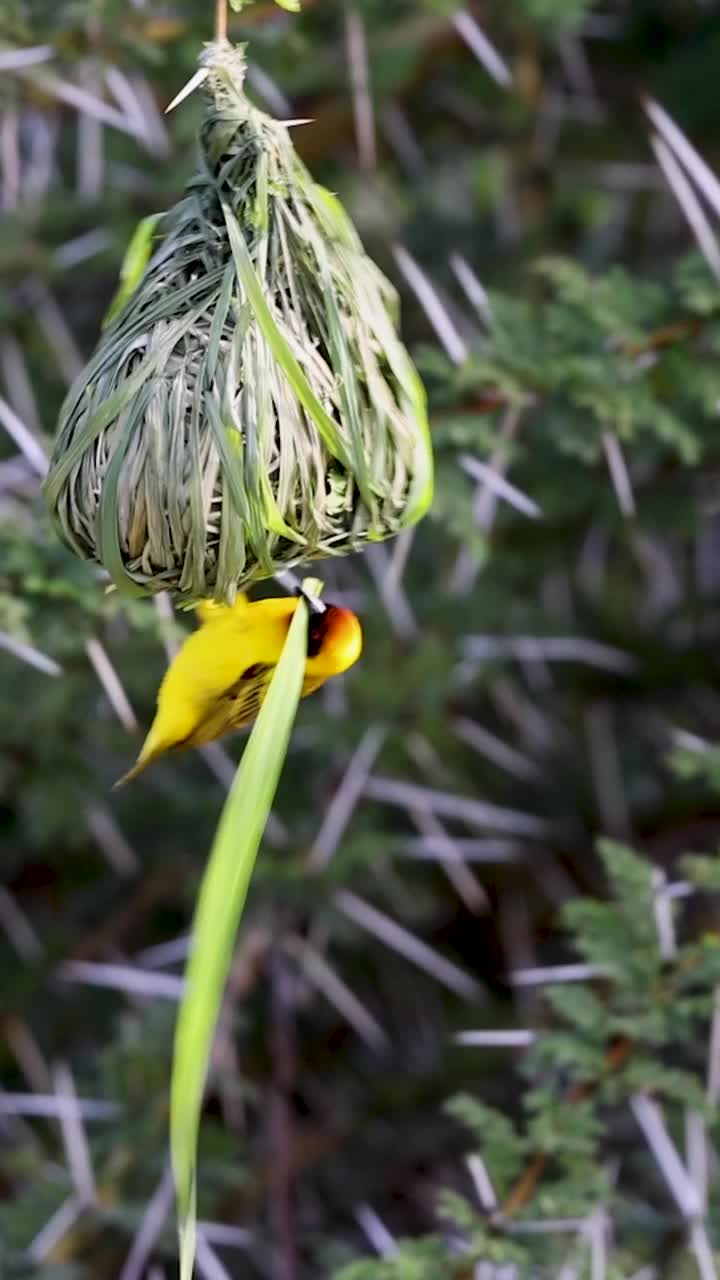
[[251, 406]]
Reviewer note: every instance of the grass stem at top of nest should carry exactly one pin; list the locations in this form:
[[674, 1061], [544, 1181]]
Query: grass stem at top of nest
[[221, 19]]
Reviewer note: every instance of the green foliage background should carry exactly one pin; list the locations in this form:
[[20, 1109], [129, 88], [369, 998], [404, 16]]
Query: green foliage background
[[601, 333]]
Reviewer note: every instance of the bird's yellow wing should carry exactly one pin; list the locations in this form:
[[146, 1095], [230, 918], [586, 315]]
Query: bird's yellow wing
[[236, 706], [228, 710]]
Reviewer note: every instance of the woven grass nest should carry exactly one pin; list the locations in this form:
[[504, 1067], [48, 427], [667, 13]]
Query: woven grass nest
[[251, 406]]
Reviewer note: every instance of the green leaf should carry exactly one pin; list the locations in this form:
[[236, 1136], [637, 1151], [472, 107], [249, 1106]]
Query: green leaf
[[579, 1006], [703, 870], [326, 428], [137, 256], [502, 1146], [220, 904]]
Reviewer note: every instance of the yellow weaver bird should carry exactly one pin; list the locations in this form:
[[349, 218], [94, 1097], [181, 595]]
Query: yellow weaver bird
[[219, 678]]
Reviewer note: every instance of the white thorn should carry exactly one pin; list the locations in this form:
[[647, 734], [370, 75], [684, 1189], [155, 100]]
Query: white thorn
[[193, 83]]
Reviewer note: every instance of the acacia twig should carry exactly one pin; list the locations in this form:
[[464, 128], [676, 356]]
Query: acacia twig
[[221, 19]]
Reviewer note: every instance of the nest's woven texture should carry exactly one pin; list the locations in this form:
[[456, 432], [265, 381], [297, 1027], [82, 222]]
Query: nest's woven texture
[[251, 406]]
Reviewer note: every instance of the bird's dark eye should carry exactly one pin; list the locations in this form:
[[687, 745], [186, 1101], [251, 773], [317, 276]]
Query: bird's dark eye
[[317, 626]]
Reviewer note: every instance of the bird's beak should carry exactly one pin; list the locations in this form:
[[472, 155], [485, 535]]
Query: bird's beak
[[289, 581], [314, 604]]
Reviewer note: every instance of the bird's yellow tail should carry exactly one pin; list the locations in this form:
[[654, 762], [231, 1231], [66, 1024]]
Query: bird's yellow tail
[[150, 750]]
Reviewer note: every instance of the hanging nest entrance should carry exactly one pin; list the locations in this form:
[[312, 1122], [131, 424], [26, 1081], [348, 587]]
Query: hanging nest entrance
[[251, 406]]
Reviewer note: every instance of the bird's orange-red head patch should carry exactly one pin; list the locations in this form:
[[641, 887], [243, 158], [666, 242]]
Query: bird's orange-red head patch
[[334, 639]]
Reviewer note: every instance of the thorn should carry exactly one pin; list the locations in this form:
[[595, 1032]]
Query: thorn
[[193, 83]]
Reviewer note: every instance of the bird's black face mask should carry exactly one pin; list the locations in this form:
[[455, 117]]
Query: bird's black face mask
[[317, 627]]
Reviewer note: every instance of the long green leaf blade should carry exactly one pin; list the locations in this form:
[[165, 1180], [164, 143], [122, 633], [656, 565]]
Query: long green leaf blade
[[220, 903], [137, 256]]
